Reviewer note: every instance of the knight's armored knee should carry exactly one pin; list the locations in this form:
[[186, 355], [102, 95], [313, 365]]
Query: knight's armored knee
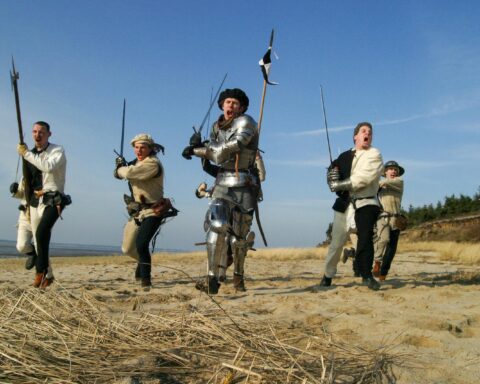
[[217, 218], [217, 227], [240, 248]]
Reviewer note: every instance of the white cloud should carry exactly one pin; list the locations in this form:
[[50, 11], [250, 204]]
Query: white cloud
[[426, 164], [301, 163], [451, 106]]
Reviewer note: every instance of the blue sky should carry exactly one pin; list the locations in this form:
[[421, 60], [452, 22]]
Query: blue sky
[[409, 67]]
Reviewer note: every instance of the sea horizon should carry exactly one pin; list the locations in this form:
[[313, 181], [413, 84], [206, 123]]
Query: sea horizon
[[8, 249]]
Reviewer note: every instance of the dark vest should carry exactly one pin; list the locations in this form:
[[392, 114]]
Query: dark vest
[[344, 164]]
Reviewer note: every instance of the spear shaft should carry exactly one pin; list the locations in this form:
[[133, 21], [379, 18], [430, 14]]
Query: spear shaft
[[14, 76], [264, 91]]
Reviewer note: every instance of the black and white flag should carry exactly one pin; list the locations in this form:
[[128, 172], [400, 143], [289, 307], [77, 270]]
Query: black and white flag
[[266, 62]]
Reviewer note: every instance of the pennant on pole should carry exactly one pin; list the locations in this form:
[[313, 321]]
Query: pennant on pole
[[266, 62]]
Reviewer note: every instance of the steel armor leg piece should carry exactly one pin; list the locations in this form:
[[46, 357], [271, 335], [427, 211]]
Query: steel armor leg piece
[[217, 227], [241, 240]]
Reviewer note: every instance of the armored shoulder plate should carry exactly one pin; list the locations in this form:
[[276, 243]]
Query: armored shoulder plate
[[245, 128]]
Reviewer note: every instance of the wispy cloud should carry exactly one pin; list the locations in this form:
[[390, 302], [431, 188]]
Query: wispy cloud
[[305, 203], [301, 163], [413, 164], [318, 132], [451, 106], [470, 152]]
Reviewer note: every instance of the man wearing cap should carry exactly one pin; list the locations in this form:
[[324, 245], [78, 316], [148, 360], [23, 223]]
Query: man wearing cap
[[232, 147], [390, 195], [145, 177], [362, 185], [46, 163]]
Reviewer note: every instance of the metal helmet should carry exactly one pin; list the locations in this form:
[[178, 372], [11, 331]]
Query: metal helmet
[[394, 164]]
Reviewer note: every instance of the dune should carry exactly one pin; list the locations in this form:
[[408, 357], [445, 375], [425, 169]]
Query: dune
[[422, 326]]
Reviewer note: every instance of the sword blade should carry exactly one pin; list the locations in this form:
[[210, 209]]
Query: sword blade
[[123, 129], [211, 104], [326, 126]]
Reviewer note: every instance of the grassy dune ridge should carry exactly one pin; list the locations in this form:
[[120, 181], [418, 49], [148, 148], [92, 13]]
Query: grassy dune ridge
[[421, 327], [465, 253]]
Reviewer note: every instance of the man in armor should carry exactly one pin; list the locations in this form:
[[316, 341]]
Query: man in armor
[[364, 165], [232, 149]]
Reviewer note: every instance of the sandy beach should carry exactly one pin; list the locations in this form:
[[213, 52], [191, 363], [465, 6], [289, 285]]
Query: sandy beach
[[427, 312]]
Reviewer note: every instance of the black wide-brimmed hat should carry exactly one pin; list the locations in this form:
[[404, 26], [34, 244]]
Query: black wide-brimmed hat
[[394, 164], [235, 93]]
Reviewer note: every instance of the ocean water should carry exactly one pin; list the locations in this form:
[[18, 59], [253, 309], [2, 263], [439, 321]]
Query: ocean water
[[7, 249]]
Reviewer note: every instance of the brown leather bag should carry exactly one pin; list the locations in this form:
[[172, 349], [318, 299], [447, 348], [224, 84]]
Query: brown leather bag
[[401, 222], [161, 207]]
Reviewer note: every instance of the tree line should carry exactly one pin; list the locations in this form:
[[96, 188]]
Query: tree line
[[451, 206]]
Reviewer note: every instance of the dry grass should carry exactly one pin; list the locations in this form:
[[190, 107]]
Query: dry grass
[[285, 254], [56, 337], [465, 253]]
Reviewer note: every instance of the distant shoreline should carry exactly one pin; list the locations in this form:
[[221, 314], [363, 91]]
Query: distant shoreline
[[8, 250]]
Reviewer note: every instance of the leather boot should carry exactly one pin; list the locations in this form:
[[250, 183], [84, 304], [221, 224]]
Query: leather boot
[[146, 283], [376, 269], [31, 259], [210, 286], [38, 279], [372, 284], [137, 273], [239, 283], [326, 281], [46, 282]]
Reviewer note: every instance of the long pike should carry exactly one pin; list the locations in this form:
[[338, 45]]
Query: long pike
[[14, 76]]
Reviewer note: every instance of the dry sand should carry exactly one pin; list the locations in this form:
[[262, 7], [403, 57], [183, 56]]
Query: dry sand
[[427, 311]]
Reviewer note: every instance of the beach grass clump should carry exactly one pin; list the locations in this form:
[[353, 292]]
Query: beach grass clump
[[285, 254], [465, 253], [55, 336]]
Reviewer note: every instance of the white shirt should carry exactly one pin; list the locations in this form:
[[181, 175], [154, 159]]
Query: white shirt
[[367, 168], [52, 162]]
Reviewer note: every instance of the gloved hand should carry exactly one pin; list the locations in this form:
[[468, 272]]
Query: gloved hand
[[201, 190], [13, 188], [120, 162], [188, 152], [22, 149], [333, 174], [340, 185], [196, 140]]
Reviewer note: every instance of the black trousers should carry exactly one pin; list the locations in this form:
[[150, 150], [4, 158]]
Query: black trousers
[[365, 219], [42, 237], [147, 230], [390, 251]]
